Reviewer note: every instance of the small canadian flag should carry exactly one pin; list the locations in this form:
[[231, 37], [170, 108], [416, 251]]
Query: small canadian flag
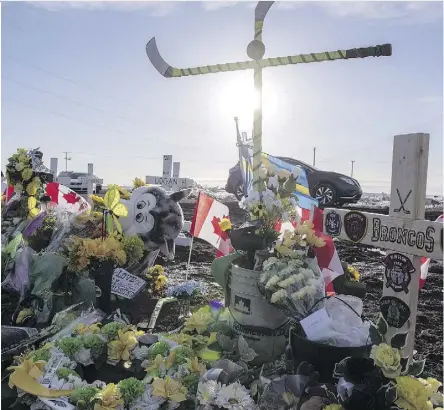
[[205, 225]]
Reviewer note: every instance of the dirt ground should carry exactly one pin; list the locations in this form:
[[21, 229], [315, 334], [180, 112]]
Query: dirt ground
[[368, 261]]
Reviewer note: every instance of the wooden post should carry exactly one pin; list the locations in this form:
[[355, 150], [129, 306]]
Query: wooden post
[[403, 232], [53, 166], [89, 183], [407, 201], [167, 165], [176, 169]]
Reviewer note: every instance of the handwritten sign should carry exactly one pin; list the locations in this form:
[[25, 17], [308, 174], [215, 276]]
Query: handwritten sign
[[125, 284], [315, 324]]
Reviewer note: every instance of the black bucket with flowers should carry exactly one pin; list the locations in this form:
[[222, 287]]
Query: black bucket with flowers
[[324, 356]]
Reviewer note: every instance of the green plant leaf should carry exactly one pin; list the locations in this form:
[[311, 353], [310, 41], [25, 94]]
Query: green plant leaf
[[247, 354], [382, 325], [404, 362], [375, 336], [416, 368], [399, 340], [117, 223]]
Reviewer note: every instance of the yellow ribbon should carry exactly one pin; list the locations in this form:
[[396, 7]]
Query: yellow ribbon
[[25, 378]]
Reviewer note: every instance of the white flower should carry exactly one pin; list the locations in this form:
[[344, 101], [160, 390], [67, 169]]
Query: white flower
[[271, 169], [253, 198], [77, 382], [295, 172], [83, 357], [273, 281], [140, 352], [99, 384], [283, 174], [234, 397], [147, 401], [278, 296], [273, 182], [269, 263], [262, 172], [207, 392]]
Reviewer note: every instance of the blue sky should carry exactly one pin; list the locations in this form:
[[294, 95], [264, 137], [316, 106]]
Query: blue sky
[[75, 77]]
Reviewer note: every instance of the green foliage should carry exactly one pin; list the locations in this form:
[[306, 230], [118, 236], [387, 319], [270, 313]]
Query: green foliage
[[111, 329], [83, 394], [70, 345], [63, 373], [95, 343], [161, 348], [130, 389], [182, 353], [40, 354], [191, 380], [133, 247]]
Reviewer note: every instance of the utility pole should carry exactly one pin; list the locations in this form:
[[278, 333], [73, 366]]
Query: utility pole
[[66, 160], [314, 156], [352, 168]]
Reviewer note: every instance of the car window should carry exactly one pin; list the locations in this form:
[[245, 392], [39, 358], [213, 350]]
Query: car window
[[78, 175]]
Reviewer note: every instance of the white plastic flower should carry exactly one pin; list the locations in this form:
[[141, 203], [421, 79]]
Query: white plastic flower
[[253, 198], [77, 382], [207, 392], [83, 357], [234, 397], [147, 401], [271, 169], [272, 282], [262, 172], [140, 352], [278, 296], [273, 182], [283, 174], [295, 172]]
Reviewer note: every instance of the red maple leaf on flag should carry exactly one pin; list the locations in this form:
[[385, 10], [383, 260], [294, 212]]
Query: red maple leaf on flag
[[71, 198], [219, 232]]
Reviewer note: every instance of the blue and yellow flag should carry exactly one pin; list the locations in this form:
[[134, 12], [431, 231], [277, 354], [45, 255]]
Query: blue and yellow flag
[[302, 190]]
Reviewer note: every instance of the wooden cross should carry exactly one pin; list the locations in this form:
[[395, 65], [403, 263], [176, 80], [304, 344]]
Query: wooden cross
[[256, 50], [167, 181], [404, 232]]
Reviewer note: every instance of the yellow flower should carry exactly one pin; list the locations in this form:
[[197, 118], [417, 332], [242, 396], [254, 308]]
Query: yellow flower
[[156, 270], [225, 224], [27, 174], [412, 395], [82, 329], [23, 314], [169, 389], [160, 282], [288, 240], [388, 359], [109, 398], [195, 367], [32, 207], [182, 339], [137, 183], [334, 407], [431, 385], [155, 365], [120, 349], [98, 199], [28, 366], [32, 187], [18, 187], [355, 276], [199, 320]]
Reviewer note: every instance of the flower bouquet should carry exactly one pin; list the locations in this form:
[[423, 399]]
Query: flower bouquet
[[185, 293]]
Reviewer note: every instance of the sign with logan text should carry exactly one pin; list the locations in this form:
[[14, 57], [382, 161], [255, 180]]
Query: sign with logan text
[[126, 284]]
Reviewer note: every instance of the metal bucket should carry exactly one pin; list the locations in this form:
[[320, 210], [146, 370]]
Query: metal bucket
[[247, 305], [262, 325]]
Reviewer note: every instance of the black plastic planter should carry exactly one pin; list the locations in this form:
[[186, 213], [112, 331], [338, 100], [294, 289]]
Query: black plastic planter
[[323, 357]]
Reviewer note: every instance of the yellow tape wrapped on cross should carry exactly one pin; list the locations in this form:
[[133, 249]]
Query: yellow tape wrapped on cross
[[256, 51]]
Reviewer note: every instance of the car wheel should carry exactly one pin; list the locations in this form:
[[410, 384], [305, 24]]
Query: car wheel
[[325, 194], [239, 191]]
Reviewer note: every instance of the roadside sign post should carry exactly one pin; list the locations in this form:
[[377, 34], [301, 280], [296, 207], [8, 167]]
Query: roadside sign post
[[167, 181], [404, 232], [53, 166], [256, 51]]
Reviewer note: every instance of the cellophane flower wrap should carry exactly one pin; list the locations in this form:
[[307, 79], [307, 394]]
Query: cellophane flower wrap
[[293, 284]]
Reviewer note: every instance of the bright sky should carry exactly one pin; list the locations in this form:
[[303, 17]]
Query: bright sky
[[75, 77]]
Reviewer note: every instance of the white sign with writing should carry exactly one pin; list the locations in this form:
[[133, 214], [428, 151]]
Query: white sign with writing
[[170, 183], [167, 166], [315, 324], [126, 284]]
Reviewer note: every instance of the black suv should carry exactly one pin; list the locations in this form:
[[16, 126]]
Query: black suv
[[329, 188]]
